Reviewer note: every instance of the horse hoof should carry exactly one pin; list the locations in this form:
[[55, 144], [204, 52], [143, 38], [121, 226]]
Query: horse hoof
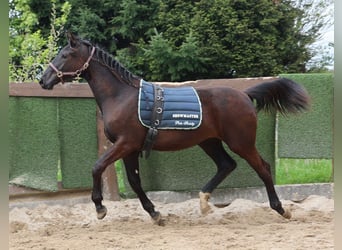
[[101, 212], [205, 208], [157, 219], [287, 214]]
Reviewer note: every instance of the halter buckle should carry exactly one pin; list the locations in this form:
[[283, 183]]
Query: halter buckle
[[85, 66]]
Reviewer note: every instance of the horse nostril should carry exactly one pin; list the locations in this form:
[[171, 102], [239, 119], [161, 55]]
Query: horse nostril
[[41, 82]]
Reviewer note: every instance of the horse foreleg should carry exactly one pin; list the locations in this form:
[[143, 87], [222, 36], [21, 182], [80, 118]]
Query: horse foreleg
[[132, 169], [109, 157], [225, 165]]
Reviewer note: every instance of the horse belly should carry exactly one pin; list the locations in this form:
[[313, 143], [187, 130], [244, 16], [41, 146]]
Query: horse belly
[[173, 140]]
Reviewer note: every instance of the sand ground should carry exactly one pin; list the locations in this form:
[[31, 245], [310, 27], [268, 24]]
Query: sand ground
[[243, 224]]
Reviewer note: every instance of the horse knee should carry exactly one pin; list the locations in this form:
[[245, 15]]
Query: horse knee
[[98, 168], [96, 171]]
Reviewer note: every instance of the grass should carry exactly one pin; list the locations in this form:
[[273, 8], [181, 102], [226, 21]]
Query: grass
[[59, 171], [120, 175], [301, 171], [59, 175]]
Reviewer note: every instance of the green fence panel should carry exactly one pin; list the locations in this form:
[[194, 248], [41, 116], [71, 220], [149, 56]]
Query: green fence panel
[[309, 135], [33, 142], [191, 169], [78, 138]]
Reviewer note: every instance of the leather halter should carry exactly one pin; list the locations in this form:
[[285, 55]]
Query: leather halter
[[76, 73]]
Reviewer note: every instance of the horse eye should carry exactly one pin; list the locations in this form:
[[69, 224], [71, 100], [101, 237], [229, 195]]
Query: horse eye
[[64, 55]]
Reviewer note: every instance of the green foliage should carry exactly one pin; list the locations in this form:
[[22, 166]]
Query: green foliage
[[31, 50], [179, 40], [135, 19], [170, 63], [260, 38], [240, 35], [321, 63], [92, 20]]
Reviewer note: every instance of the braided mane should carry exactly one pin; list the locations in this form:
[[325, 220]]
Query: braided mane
[[116, 67]]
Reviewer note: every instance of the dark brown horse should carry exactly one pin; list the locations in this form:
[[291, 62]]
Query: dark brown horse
[[229, 116]]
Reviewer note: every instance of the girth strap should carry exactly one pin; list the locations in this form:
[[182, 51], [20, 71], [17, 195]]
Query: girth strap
[[156, 117]]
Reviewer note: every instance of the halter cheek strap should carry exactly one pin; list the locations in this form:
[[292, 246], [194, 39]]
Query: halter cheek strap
[[76, 73]]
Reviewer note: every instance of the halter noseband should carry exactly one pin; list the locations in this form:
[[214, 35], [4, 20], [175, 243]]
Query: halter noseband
[[76, 73]]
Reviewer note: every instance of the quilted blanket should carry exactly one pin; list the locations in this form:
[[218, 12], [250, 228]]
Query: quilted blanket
[[181, 107]]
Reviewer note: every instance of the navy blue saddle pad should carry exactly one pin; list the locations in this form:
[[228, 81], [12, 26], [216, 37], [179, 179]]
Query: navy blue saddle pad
[[181, 109]]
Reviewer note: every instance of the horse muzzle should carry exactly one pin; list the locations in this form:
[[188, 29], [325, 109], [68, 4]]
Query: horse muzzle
[[44, 85]]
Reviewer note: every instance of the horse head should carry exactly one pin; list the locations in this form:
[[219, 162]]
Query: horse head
[[70, 62]]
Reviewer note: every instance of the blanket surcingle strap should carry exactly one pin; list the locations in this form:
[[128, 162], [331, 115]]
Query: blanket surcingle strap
[[156, 117], [167, 108]]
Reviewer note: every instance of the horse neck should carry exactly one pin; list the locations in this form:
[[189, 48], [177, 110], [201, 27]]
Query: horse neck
[[105, 85]]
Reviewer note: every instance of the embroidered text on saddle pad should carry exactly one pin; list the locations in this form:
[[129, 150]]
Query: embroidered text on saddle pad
[[181, 108]]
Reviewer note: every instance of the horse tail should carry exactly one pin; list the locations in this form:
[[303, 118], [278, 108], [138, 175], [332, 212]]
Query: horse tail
[[282, 94]]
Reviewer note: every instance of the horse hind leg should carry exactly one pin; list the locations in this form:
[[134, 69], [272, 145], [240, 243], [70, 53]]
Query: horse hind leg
[[225, 165], [262, 168]]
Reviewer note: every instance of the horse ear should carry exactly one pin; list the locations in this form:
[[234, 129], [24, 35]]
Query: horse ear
[[73, 39]]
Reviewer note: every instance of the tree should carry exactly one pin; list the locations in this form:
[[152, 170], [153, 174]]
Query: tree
[[170, 63], [323, 61], [182, 40], [89, 19], [317, 19], [135, 20], [29, 49], [240, 35], [260, 38]]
